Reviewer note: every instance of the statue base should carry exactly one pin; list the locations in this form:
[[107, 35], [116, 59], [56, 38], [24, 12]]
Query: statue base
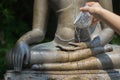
[[64, 75]]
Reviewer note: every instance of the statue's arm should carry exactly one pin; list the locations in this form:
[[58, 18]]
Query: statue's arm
[[107, 33], [20, 53], [39, 20]]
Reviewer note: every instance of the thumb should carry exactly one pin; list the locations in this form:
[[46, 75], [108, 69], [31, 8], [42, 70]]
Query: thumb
[[85, 9]]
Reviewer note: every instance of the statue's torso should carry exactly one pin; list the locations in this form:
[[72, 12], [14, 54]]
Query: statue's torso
[[67, 11]]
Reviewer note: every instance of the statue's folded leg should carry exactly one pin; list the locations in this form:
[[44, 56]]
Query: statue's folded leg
[[108, 60], [56, 56]]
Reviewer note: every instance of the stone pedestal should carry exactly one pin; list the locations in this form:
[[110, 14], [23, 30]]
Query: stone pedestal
[[64, 75]]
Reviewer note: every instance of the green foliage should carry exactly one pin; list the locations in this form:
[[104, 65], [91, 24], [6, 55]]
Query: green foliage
[[12, 25], [116, 39]]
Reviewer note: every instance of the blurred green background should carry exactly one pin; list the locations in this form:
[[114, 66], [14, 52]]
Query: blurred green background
[[16, 19]]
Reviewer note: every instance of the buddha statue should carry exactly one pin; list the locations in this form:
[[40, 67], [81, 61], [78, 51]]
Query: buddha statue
[[64, 52]]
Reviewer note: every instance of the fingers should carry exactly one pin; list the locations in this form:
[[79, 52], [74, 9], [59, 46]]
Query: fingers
[[18, 54], [16, 58], [91, 3], [27, 53], [82, 45], [88, 9], [101, 49], [35, 66], [84, 9], [88, 6], [21, 53], [108, 48], [13, 58], [92, 7], [74, 46], [94, 21], [69, 48]]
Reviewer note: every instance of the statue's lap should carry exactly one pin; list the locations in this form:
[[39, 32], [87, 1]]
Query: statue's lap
[[111, 74]]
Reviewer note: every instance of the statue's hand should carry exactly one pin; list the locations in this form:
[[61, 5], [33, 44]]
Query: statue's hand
[[18, 56], [73, 46], [96, 42]]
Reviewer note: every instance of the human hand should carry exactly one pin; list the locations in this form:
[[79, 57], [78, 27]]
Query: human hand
[[93, 8], [18, 56]]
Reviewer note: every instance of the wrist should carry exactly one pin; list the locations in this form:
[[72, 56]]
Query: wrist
[[99, 11]]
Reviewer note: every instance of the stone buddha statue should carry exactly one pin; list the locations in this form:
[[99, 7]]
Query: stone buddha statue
[[63, 52]]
